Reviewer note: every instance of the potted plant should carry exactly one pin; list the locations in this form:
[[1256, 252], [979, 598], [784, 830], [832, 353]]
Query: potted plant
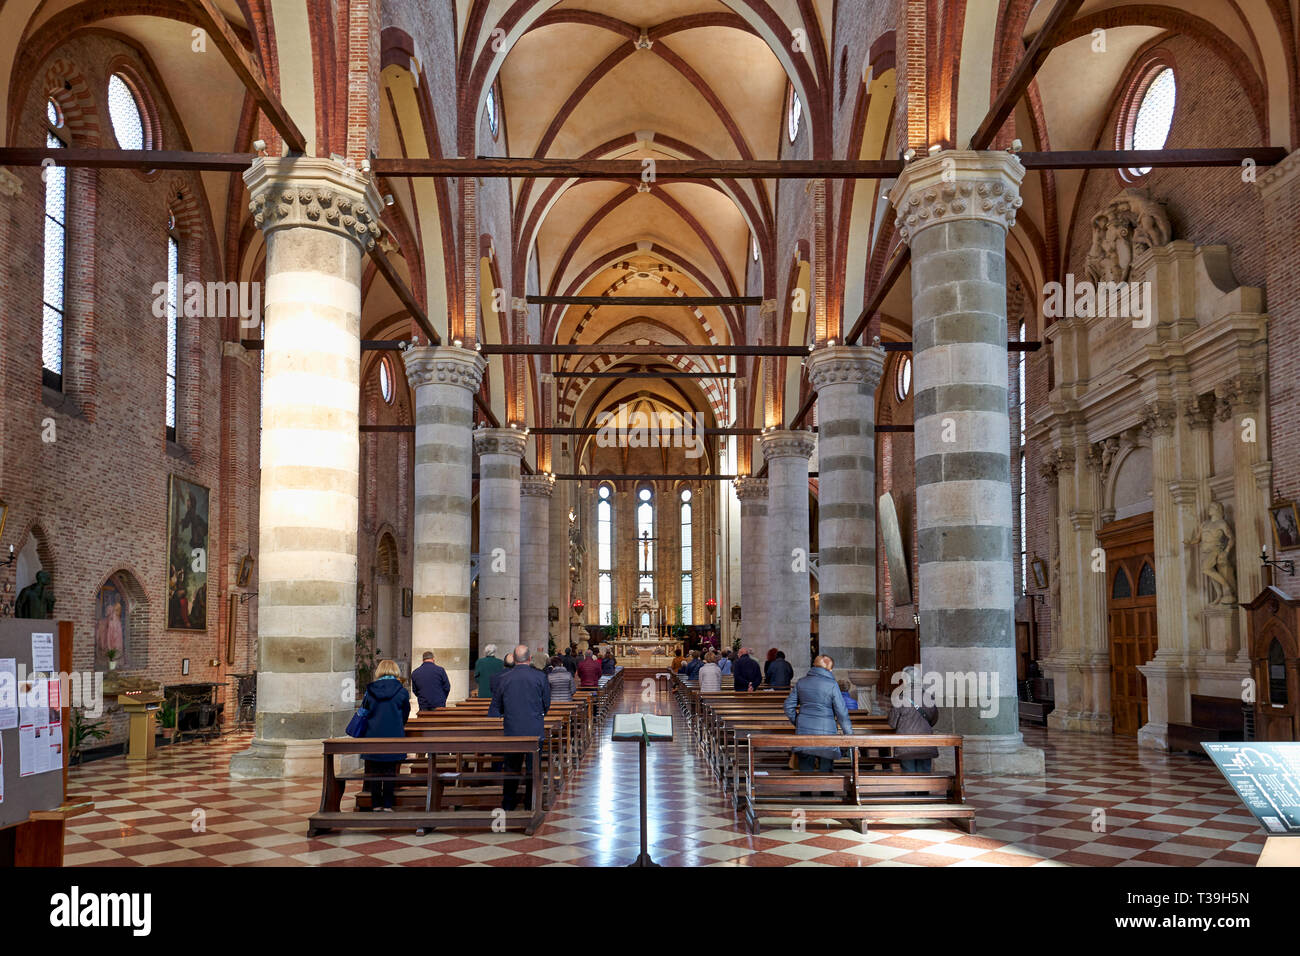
[[167, 720], [80, 731], [111, 654]]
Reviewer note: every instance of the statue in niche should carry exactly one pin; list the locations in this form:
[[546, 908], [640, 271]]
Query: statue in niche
[[1216, 540], [1109, 449], [1131, 224], [36, 600], [576, 554]]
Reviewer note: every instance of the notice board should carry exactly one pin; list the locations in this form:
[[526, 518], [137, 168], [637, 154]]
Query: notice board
[[32, 735], [1266, 777]]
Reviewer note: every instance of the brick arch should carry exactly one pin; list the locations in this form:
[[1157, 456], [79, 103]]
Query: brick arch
[[44, 551], [136, 639], [66, 85]]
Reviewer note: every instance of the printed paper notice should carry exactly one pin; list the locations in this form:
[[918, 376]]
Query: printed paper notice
[[8, 693], [43, 653]]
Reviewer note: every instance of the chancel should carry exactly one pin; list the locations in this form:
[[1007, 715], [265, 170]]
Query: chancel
[[395, 390]]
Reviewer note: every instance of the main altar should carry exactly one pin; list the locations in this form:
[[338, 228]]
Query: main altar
[[646, 640]]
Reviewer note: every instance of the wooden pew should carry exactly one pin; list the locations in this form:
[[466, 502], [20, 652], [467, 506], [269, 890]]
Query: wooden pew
[[430, 816], [863, 796]]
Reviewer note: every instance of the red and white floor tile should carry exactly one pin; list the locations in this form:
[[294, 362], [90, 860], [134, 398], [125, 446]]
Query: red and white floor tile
[[1102, 802]]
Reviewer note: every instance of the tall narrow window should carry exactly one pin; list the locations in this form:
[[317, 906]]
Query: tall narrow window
[[605, 553], [56, 253], [645, 532], [1021, 417], [173, 326], [688, 590]]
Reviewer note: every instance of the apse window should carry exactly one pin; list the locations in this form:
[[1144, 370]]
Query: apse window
[[493, 113], [56, 249], [903, 379], [386, 380], [1146, 122], [126, 115], [794, 114]]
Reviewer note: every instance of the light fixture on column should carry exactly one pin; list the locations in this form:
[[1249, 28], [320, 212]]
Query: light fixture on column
[[1016, 146], [457, 342], [909, 154], [11, 556], [935, 149], [1288, 566], [259, 147]]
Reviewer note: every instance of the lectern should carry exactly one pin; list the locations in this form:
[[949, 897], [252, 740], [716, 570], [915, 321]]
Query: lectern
[[642, 728]]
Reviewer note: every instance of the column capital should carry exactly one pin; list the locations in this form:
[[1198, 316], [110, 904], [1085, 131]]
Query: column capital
[[536, 486], [1159, 417], [315, 193], [767, 307], [751, 488], [501, 441], [444, 365], [957, 184], [846, 365], [1285, 173], [10, 185], [786, 443]]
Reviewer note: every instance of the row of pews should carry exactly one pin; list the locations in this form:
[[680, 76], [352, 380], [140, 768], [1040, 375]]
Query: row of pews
[[454, 770], [747, 740]]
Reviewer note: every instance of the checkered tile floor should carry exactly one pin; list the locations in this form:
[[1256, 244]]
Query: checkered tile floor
[[182, 809]]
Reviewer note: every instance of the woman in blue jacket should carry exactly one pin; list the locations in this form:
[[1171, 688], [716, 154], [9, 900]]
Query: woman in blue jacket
[[387, 705], [815, 706]]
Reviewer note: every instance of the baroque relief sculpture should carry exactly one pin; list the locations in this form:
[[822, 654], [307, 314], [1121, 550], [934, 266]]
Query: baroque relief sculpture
[[1216, 540], [1128, 226]]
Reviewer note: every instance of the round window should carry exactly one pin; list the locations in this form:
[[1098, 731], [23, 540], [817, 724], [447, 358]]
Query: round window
[[1150, 114], [125, 114], [903, 381]]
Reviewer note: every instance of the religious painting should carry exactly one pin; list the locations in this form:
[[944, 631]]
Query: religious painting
[[245, 571], [408, 602], [187, 555], [1039, 570], [1286, 526], [111, 626]]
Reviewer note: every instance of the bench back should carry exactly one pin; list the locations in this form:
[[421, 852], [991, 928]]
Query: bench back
[[468, 743]]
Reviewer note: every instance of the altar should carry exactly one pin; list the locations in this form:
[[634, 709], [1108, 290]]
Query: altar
[[646, 641]]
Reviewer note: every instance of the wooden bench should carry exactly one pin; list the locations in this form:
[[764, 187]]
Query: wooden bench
[[855, 795], [430, 815], [554, 753], [1213, 719]]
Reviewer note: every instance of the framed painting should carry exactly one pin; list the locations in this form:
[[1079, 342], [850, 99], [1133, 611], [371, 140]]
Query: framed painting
[[187, 555], [408, 600], [1286, 525], [1039, 570]]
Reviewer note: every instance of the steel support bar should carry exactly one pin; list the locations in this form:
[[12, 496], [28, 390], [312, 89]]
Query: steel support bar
[[662, 301]]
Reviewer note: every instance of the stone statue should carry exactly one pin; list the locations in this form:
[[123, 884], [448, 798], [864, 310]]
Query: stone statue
[[1109, 449], [36, 600], [1216, 541], [576, 554], [1131, 224]]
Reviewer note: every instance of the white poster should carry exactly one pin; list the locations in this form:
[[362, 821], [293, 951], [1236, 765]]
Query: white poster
[[43, 653], [8, 693]]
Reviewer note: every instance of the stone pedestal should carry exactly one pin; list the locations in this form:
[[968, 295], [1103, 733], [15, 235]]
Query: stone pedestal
[[534, 558], [789, 595], [444, 380], [845, 378], [499, 451], [1219, 624], [318, 221], [755, 630], [954, 209]]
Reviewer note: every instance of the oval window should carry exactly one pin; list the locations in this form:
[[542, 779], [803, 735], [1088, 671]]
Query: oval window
[[125, 114], [903, 381], [1150, 115]]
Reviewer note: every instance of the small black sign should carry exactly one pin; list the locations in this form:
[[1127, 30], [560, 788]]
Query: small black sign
[[1266, 777]]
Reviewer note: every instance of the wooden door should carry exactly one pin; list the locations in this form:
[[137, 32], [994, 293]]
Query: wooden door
[[1131, 617]]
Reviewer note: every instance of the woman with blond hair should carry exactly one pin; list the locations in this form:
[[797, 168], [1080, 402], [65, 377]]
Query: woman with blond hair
[[387, 704]]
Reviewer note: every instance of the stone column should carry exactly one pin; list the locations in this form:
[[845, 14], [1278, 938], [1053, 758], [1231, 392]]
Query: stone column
[[845, 378], [789, 597], [558, 578], [534, 558], [318, 222], [954, 209], [499, 453], [755, 630], [444, 380]]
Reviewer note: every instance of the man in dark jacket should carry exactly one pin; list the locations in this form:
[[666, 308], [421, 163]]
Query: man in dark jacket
[[570, 662], [745, 673], [522, 698], [815, 706], [497, 678], [430, 683], [589, 670], [779, 672]]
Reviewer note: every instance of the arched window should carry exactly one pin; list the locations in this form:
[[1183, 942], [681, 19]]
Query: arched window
[[493, 113], [1148, 113], [688, 591], [753, 246], [1276, 674], [173, 323], [604, 553], [56, 254], [386, 380], [1122, 587], [1022, 410], [645, 532], [794, 114], [127, 115], [1146, 581]]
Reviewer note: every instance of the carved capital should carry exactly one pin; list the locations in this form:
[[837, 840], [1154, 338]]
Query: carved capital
[[10, 185], [781, 443], [1049, 470], [1158, 418], [1199, 411], [313, 193], [1246, 392], [443, 365], [509, 442], [749, 488], [536, 486], [957, 184], [846, 365]]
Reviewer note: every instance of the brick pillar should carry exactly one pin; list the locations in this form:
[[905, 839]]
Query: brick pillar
[[318, 222], [954, 209], [789, 595], [755, 630], [499, 453], [534, 558], [444, 380]]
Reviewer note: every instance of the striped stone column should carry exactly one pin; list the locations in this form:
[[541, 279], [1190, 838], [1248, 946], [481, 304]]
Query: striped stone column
[[318, 221], [499, 452], [534, 558], [789, 597], [444, 380], [954, 209], [845, 378], [754, 628]]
